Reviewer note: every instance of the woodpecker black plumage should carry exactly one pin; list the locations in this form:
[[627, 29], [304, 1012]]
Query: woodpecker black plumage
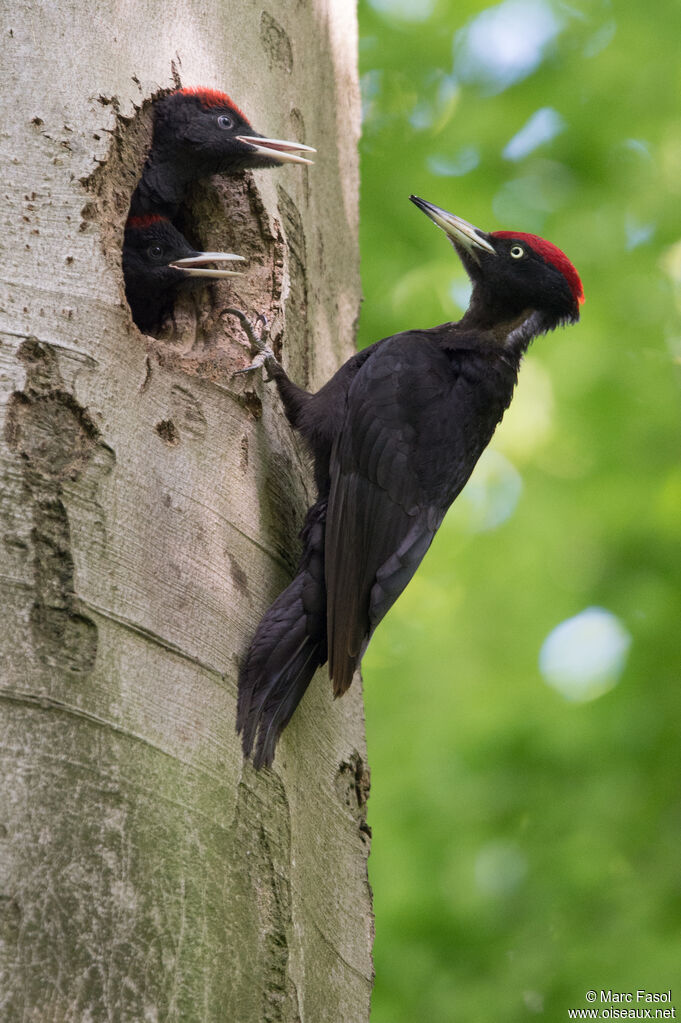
[[196, 133], [158, 262], [395, 435]]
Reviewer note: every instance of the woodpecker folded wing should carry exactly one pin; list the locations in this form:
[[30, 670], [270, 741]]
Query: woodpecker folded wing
[[393, 475]]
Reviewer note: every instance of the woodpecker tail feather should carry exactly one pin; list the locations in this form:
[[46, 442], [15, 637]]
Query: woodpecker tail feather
[[288, 647]]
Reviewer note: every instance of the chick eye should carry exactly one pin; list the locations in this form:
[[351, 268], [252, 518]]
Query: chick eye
[[225, 122], [517, 252], [155, 251]]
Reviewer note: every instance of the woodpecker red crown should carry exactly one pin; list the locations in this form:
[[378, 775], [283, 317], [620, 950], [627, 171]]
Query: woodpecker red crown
[[211, 98], [553, 255], [146, 220]]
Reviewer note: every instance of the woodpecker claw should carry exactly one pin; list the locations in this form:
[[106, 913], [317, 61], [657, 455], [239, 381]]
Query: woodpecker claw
[[263, 354], [261, 359]]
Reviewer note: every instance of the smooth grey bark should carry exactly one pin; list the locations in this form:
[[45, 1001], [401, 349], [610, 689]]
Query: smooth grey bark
[[149, 506]]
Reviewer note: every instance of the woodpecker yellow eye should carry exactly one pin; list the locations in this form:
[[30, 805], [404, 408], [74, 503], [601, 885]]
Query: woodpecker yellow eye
[[517, 252], [225, 122]]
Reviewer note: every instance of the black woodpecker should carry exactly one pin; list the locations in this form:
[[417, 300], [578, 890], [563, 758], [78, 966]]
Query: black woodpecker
[[196, 133], [395, 435], [158, 262]]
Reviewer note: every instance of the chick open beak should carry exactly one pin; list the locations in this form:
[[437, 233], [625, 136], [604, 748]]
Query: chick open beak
[[278, 149], [194, 266]]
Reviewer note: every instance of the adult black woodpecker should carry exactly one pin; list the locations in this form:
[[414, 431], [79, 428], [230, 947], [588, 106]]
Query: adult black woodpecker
[[395, 435], [158, 262], [196, 133]]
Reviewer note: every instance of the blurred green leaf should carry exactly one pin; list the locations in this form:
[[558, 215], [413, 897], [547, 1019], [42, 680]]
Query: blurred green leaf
[[526, 846]]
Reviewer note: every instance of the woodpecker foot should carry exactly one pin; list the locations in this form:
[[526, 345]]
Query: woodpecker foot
[[260, 349], [266, 358]]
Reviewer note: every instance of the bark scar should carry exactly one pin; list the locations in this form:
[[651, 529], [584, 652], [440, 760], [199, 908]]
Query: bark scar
[[55, 440]]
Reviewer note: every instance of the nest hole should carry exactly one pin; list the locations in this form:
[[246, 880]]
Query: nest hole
[[218, 214]]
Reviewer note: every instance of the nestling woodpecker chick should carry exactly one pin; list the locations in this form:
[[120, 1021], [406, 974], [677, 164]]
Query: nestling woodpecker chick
[[395, 435], [196, 133], [158, 262]]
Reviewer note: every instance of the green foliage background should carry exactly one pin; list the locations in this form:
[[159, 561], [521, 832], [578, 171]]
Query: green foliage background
[[527, 845]]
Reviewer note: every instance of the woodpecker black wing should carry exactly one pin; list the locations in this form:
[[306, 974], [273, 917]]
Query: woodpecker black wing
[[399, 461]]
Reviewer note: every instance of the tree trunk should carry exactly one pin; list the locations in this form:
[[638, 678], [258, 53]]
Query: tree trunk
[[149, 505]]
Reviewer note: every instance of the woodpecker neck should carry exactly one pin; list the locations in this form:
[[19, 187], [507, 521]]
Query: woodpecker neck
[[149, 305], [162, 186], [512, 333], [515, 336]]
